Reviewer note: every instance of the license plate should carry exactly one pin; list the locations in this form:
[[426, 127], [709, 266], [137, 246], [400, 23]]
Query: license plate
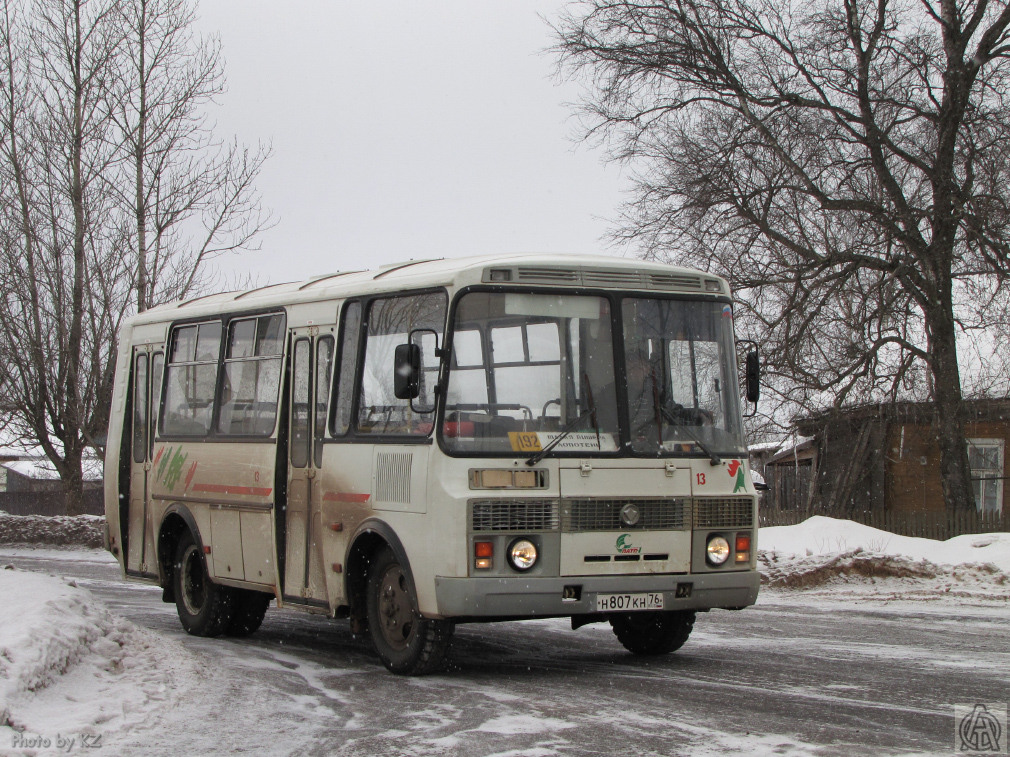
[[629, 602]]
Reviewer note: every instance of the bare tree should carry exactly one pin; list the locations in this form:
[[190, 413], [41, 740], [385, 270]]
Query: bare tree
[[97, 96], [193, 197], [56, 249], [842, 161]]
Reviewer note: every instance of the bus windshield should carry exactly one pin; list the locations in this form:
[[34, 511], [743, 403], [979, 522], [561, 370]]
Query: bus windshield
[[680, 364], [527, 368]]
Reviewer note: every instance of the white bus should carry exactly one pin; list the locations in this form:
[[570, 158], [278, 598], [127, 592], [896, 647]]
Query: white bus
[[439, 442]]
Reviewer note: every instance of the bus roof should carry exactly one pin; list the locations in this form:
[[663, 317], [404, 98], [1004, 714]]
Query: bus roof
[[584, 271]]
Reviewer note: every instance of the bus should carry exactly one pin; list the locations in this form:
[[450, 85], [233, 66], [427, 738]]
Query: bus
[[440, 442]]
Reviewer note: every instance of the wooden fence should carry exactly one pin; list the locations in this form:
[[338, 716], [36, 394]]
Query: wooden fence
[[930, 525], [49, 503]]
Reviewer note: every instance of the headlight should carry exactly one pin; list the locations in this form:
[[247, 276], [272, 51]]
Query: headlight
[[522, 554], [717, 550]]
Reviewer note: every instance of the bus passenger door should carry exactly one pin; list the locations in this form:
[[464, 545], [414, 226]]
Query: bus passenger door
[[141, 557], [311, 362]]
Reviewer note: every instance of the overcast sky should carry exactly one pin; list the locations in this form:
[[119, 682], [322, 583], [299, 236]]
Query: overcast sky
[[407, 129]]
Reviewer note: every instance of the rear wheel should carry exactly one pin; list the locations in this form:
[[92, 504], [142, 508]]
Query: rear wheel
[[407, 643], [204, 607], [248, 609], [653, 633]]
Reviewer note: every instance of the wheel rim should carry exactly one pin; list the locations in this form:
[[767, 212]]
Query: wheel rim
[[396, 610], [194, 588]]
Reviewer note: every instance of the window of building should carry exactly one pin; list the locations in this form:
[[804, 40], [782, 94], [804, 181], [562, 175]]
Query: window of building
[[985, 458]]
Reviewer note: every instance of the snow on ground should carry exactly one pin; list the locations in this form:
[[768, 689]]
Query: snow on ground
[[71, 670], [76, 678], [841, 556]]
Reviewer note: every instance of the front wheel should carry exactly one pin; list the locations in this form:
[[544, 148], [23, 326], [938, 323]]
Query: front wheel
[[204, 607], [653, 633], [407, 643]]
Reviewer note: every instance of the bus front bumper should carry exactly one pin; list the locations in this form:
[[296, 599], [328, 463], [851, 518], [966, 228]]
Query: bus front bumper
[[519, 597]]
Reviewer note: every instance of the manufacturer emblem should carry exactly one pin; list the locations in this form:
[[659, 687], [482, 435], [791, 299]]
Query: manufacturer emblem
[[630, 515], [625, 547]]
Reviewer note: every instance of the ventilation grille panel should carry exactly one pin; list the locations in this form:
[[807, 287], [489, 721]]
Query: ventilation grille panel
[[392, 477], [630, 279], [673, 281], [622, 278], [514, 515], [547, 275], [665, 514], [724, 512]]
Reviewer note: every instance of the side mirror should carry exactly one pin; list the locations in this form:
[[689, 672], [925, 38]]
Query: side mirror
[[753, 376], [407, 371]]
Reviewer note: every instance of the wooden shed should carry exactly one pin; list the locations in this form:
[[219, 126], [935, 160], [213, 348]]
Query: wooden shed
[[885, 458]]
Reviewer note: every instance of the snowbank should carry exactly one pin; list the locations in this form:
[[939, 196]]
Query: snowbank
[[820, 535], [69, 669], [826, 552], [59, 530]]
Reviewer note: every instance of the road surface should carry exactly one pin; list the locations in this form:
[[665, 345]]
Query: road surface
[[835, 674]]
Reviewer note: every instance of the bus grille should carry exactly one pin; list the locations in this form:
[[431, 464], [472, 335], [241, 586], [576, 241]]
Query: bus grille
[[665, 514], [515, 515], [724, 512]]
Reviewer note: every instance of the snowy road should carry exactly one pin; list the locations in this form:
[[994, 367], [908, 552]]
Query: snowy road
[[801, 673]]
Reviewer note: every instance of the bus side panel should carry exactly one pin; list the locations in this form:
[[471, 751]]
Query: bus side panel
[[231, 485], [346, 499]]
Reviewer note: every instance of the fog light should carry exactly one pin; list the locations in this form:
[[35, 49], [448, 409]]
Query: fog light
[[717, 551], [522, 554]]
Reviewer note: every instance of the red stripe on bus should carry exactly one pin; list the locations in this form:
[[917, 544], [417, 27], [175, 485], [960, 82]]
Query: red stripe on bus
[[345, 497], [256, 491], [189, 476]]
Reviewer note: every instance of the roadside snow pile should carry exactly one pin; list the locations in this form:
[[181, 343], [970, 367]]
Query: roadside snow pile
[[71, 669], [59, 530], [825, 551]]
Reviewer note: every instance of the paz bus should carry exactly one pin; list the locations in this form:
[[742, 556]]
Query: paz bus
[[440, 442]]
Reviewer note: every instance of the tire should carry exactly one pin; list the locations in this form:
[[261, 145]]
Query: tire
[[248, 609], [653, 633], [406, 642], [204, 607]]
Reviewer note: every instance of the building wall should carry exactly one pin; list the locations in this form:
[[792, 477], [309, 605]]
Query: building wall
[[18, 483], [913, 464], [850, 470]]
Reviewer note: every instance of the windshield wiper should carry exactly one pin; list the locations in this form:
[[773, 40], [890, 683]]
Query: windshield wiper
[[589, 412], [536, 457], [672, 419]]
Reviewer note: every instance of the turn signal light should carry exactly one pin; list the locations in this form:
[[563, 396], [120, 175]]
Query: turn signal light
[[743, 548], [483, 552]]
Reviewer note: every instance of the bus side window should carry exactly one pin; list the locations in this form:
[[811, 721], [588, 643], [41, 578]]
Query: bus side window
[[252, 376], [300, 419], [324, 370], [157, 375], [140, 406], [192, 378], [350, 334], [390, 322]]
